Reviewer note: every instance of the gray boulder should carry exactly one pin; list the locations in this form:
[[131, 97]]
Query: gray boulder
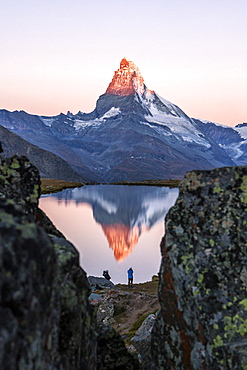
[[29, 302], [95, 297], [99, 282], [203, 319], [141, 340]]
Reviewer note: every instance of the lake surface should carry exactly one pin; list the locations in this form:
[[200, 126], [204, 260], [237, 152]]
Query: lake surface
[[113, 227]]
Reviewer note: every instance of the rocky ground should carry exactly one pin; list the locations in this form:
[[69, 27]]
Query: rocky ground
[[131, 312], [126, 308]]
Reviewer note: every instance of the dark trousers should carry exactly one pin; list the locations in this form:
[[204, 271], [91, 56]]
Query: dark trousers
[[130, 281]]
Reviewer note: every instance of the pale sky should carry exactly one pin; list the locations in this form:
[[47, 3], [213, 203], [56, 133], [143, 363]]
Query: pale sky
[[60, 55]]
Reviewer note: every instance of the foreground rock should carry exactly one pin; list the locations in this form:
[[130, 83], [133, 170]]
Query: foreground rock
[[46, 321], [112, 353], [203, 318], [142, 338]]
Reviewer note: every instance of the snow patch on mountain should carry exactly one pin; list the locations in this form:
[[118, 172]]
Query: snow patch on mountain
[[111, 113], [80, 124], [47, 121], [168, 104], [179, 126], [233, 150], [242, 131], [158, 129]]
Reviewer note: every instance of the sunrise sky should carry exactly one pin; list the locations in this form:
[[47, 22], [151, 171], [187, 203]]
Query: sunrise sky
[[60, 55]]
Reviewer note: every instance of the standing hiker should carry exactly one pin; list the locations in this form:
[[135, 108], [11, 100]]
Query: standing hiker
[[130, 273]]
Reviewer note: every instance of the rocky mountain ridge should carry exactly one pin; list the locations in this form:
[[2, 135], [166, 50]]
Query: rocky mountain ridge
[[49, 164], [132, 134]]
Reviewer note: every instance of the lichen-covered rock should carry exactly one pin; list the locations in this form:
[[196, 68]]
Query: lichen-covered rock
[[77, 338], [142, 338], [20, 181], [105, 311], [46, 321], [203, 318], [29, 300]]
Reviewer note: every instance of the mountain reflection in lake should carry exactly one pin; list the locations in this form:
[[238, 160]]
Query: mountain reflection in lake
[[132, 221]]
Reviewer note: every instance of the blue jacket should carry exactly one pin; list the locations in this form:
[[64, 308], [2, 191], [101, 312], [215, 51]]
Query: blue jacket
[[130, 273]]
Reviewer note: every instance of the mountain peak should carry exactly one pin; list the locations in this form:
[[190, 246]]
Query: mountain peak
[[127, 80], [127, 63]]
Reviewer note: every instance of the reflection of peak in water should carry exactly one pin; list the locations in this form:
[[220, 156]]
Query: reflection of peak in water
[[123, 211], [122, 239], [121, 204]]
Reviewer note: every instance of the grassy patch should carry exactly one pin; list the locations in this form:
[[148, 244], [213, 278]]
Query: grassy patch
[[53, 186], [169, 183], [150, 287], [136, 325]]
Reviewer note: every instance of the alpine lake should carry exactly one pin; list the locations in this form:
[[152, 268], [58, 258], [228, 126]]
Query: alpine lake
[[114, 227]]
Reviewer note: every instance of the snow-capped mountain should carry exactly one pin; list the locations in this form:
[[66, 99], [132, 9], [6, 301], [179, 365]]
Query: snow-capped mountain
[[132, 134], [232, 139]]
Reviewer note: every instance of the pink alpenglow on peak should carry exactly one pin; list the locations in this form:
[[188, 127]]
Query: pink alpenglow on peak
[[127, 80]]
